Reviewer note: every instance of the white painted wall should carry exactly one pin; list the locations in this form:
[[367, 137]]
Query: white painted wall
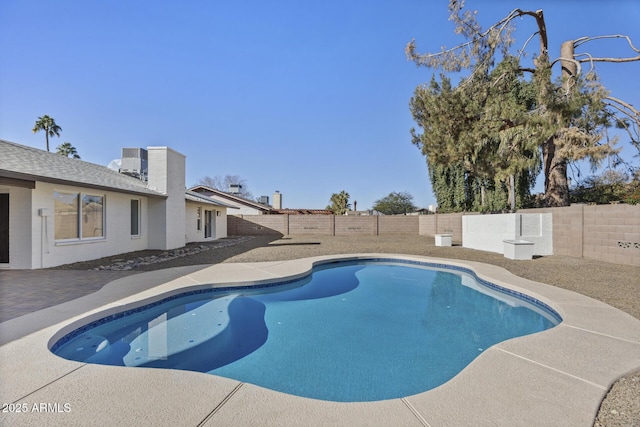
[[191, 229], [538, 228], [487, 232], [46, 252], [20, 233], [221, 223], [191, 219]]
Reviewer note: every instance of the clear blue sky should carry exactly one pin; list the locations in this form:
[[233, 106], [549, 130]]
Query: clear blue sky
[[308, 98]]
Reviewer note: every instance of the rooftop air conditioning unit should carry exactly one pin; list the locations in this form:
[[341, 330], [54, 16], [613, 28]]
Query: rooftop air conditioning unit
[[135, 163], [235, 188]]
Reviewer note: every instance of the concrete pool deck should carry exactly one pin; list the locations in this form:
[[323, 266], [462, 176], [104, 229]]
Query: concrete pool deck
[[556, 377]]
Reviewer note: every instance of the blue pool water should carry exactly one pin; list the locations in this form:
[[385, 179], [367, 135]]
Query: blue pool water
[[351, 331]]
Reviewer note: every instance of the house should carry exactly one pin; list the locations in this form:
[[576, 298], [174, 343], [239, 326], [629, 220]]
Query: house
[[56, 210], [250, 207], [244, 206], [302, 212]]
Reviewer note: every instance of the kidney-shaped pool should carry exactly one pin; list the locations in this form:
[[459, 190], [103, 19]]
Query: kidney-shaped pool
[[351, 331]]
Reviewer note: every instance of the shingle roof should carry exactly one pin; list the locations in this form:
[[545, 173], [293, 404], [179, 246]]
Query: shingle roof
[[28, 163]]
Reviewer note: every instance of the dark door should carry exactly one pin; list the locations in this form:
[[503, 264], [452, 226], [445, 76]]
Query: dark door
[[207, 224], [4, 228]]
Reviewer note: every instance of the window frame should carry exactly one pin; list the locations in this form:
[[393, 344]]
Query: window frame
[[80, 218], [138, 219]]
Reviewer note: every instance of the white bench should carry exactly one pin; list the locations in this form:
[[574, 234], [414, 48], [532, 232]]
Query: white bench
[[443, 239], [518, 249]]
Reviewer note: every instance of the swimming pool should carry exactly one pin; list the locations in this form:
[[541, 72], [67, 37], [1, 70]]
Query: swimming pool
[[361, 330]]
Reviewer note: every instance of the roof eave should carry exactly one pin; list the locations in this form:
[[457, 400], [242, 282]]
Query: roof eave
[[36, 178]]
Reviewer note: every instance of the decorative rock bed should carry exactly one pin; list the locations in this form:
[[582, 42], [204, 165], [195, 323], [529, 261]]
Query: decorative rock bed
[[130, 264]]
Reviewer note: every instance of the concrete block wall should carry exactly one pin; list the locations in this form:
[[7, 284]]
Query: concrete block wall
[[427, 225], [430, 225], [322, 225], [567, 229], [398, 224], [257, 225], [612, 233], [356, 225], [609, 233]]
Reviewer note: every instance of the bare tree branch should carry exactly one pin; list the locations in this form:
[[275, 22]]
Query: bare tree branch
[[524, 46], [629, 111], [582, 40], [593, 59], [625, 107], [430, 58], [579, 67]]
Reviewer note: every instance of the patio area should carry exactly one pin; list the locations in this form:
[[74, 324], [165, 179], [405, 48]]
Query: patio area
[[558, 377]]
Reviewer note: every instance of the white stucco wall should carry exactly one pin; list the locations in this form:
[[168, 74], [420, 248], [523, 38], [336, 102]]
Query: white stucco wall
[[47, 252], [221, 223], [191, 229], [488, 232], [20, 234]]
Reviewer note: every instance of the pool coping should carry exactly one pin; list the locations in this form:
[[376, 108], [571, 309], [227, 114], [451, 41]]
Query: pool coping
[[558, 376]]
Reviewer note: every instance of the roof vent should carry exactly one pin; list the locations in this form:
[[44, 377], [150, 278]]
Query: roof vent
[[135, 163]]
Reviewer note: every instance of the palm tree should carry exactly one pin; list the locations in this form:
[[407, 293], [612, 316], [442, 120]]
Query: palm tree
[[67, 150], [339, 203], [49, 126]]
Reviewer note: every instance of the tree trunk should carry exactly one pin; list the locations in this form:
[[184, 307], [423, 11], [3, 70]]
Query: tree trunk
[[512, 192], [556, 186]]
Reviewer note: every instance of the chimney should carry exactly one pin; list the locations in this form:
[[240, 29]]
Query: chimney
[[277, 200], [166, 215]]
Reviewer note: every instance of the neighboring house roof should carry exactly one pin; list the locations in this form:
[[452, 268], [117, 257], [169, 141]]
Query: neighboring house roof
[[22, 163], [208, 191], [302, 212], [197, 197]]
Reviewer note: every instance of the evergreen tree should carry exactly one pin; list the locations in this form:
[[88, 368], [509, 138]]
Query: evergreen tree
[[567, 120]]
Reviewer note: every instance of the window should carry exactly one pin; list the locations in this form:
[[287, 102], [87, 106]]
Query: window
[[92, 216], [199, 218], [66, 216], [135, 217], [78, 216]]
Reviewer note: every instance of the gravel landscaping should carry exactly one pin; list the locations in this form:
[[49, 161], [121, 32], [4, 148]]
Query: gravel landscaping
[[616, 285]]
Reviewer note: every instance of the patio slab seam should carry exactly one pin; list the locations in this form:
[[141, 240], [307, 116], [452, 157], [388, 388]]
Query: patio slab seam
[[415, 412], [591, 383], [602, 334], [21, 398], [221, 404]]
